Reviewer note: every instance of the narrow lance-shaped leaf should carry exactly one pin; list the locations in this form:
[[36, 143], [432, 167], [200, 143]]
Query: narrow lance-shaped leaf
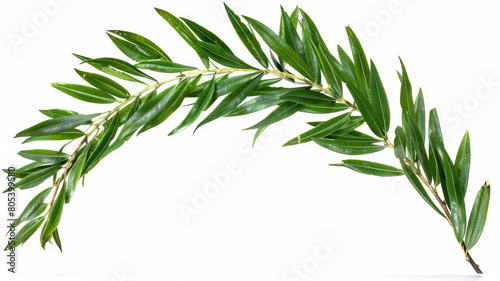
[[324, 56], [370, 168], [185, 33], [25, 233], [435, 131], [452, 189], [348, 147], [232, 100], [247, 37], [174, 101], [145, 113], [75, 174], [68, 135], [406, 97], [36, 178], [478, 215], [324, 129], [200, 105], [57, 239], [163, 66], [142, 45], [291, 36], [400, 143], [420, 113], [44, 156], [222, 56], [104, 83], [419, 146], [419, 187], [56, 112], [462, 161], [310, 98], [54, 214], [206, 35], [283, 111], [257, 104], [120, 65], [99, 151], [379, 100], [362, 72], [346, 61], [281, 48], [85, 93], [33, 206], [108, 69]]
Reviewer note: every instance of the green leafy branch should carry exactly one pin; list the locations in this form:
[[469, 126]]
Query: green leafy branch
[[298, 55]]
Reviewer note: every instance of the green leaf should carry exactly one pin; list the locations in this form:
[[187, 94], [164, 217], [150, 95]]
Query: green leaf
[[348, 147], [36, 178], [420, 113], [232, 100], [435, 131], [322, 130], [164, 66], [55, 113], [452, 189], [99, 151], [104, 83], [141, 46], [206, 35], [291, 36], [406, 97], [337, 107], [325, 58], [109, 70], [346, 61], [76, 173], [379, 100], [281, 48], [370, 168], [200, 105], [362, 72], [247, 37], [283, 111], [258, 132], [54, 214], [478, 215], [145, 113], [353, 123], [38, 212], [231, 84], [462, 161], [309, 98], [400, 143], [222, 56], [44, 156], [311, 58], [25, 233], [174, 100], [27, 169], [120, 65], [420, 147], [185, 33], [33, 206], [419, 187], [68, 135], [257, 104], [85, 93], [354, 136], [57, 239]]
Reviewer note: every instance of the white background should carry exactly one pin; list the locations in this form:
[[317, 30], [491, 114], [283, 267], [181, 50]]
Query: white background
[[125, 224]]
